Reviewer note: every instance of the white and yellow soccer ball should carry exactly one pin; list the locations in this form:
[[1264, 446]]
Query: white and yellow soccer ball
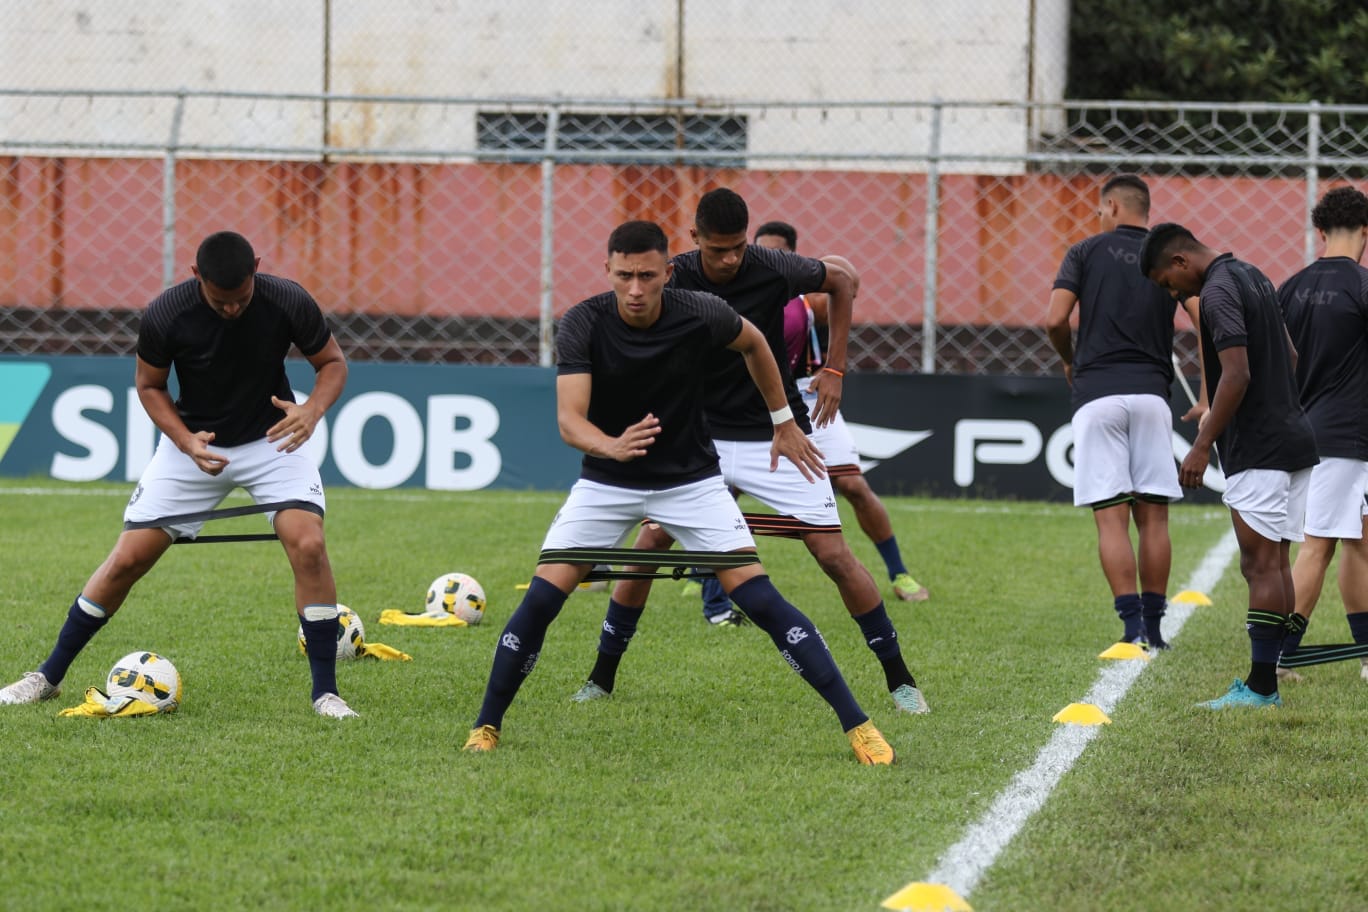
[[351, 635], [145, 676], [456, 594]]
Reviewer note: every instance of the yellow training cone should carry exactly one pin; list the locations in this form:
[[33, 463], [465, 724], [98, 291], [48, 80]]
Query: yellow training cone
[[926, 897], [1191, 597], [1124, 651], [1082, 714]]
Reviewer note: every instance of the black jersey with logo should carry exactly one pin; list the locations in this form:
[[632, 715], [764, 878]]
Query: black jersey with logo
[[228, 370], [1326, 308], [656, 371], [763, 286], [1125, 321], [1269, 430]]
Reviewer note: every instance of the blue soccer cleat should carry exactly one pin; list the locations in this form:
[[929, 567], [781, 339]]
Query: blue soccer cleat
[[1241, 696]]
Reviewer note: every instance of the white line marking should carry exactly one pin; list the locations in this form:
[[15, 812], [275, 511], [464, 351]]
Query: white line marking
[[964, 864]]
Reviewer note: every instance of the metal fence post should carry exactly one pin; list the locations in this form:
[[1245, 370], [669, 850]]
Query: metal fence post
[[169, 193], [1313, 130], [548, 237], [929, 281]]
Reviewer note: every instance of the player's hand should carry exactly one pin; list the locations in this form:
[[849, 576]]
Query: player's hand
[[828, 388], [1068, 375], [791, 443], [197, 448], [635, 440], [295, 428], [1197, 413], [1194, 467]]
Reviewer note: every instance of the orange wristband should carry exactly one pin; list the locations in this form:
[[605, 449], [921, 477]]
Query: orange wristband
[[832, 370]]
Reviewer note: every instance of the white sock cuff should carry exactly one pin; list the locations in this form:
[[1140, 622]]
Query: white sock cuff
[[320, 613], [90, 607]]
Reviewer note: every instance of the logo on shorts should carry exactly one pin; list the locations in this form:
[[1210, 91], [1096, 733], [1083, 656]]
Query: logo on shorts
[[316, 488], [830, 503], [510, 641], [137, 492], [796, 635], [740, 524]]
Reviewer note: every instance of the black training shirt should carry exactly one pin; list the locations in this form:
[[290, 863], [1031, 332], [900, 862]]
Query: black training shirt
[[1326, 308], [767, 280], [1269, 430], [635, 372], [228, 370], [1125, 321]]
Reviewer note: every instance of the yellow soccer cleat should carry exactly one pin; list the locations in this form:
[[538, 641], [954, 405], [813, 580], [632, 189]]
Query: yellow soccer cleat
[[869, 745], [909, 590], [482, 739]]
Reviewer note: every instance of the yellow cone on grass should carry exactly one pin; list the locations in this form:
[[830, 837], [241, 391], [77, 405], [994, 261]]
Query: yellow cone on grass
[[1082, 714], [926, 897]]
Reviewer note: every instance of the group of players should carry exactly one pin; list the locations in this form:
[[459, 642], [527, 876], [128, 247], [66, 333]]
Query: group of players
[[680, 390], [1284, 402]]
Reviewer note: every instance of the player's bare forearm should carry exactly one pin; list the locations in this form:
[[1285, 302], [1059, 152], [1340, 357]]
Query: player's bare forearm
[[633, 443]]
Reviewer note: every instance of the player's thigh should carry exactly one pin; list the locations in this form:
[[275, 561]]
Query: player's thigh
[[1101, 451], [1334, 498], [746, 467], [271, 476], [171, 485], [1153, 469], [701, 516], [595, 515]]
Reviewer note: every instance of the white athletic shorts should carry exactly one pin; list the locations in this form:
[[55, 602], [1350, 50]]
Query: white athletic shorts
[[1270, 501], [701, 516], [1123, 445], [172, 484], [834, 440], [746, 467], [1335, 504]]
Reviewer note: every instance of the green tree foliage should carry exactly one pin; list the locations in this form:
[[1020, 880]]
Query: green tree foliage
[[1219, 50]]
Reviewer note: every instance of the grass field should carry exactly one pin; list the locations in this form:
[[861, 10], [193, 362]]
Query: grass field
[[714, 779]]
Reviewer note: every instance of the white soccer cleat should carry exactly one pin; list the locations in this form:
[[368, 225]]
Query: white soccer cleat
[[331, 706], [33, 687]]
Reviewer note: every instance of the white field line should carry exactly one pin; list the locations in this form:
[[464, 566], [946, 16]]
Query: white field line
[[963, 865]]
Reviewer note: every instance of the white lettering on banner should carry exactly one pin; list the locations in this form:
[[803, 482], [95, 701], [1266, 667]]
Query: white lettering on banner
[[140, 436], [99, 442], [445, 440], [405, 453], [1016, 442], [1059, 455]]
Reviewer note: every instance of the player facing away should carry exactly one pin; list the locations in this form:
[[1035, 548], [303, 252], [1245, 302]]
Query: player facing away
[[1119, 372], [758, 282], [1326, 308], [1257, 424], [226, 332], [629, 395]]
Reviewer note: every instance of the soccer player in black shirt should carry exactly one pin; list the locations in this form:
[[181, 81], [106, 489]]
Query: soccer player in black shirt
[[1257, 424], [758, 283], [629, 395], [226, 332], [1119, 375], [1326, 308]]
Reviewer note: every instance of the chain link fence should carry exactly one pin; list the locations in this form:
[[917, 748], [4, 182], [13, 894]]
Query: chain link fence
[[457, 229]]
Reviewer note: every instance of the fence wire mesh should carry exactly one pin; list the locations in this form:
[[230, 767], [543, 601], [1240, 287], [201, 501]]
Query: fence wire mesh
[[457, 229]]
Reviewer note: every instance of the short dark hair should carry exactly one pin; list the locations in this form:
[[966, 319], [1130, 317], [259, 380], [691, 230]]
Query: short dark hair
[[1342, 207], [779, 229], [225, 259], [721, 211], [1133, 189], [637, 237], [1161, 241]]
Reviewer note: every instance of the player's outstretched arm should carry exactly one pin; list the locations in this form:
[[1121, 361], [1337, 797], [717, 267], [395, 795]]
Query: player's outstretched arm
[[1230, 392], [330, 375], [840, 286], [572, 416], [789, 440]]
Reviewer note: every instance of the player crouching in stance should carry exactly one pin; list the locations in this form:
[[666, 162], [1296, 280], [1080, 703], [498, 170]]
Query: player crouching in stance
[[226, 332], [629, 395]]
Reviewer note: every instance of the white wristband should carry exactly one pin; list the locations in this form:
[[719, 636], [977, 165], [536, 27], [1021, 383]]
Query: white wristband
[[779, 416]]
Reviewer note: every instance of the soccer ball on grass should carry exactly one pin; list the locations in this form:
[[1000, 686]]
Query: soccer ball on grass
[[145, 676], [456, 594]]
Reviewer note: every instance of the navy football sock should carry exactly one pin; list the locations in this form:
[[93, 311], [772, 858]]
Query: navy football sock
[[1358, 626], [518, 648], [1129, 611], [619, 626], [800, 644], [84, 620], [319, 623], [1265, 641], [1293, 630], [892, 557], [1152, 607], [882, 639]]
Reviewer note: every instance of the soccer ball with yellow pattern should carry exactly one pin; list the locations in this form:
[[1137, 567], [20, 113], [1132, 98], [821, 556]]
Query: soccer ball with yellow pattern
[[456, 594], [351, 635], [145, 676]]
